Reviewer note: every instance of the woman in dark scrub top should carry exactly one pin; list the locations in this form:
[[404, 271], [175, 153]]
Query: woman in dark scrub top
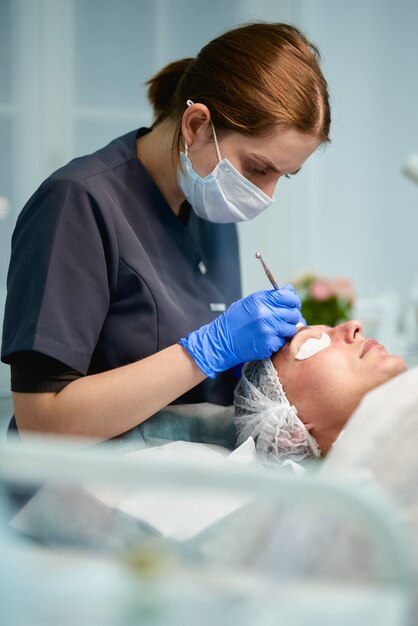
[[121, 255]]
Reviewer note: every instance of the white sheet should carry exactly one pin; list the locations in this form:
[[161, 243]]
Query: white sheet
[[178, 513]]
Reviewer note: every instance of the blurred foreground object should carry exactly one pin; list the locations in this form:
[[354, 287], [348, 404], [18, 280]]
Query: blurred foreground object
[[318, 550], [410, 168], [325, 300]]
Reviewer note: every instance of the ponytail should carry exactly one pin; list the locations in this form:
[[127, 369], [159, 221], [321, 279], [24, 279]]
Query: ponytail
[[162, 87]]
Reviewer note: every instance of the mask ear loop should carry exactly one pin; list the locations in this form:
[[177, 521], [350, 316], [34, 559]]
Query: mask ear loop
[[218, 152], [186, 147]]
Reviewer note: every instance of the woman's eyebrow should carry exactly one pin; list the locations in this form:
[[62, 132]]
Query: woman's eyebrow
[[271, 165], [305, 328], [266, 161], [311, 328]]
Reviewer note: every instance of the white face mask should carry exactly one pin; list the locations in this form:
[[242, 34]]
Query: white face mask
[[224, 195]]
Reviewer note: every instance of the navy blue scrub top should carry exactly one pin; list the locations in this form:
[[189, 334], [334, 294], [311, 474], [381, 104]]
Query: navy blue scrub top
[[103, 273]]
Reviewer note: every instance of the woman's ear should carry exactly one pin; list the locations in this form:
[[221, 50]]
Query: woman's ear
[[196, 124]]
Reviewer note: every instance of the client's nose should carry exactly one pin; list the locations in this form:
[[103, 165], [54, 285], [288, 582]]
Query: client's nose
[[352, 330]]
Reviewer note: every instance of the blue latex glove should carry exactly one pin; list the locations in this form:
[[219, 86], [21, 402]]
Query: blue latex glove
[[302, 319], [250, 329]]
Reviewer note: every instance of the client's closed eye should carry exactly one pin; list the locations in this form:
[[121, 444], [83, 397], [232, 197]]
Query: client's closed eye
[[312, 346], [305, 333]]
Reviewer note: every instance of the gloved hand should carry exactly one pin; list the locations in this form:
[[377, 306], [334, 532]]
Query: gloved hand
[[250, 329]]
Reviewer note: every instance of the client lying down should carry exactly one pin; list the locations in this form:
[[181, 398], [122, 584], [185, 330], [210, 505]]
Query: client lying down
[[296, 403]]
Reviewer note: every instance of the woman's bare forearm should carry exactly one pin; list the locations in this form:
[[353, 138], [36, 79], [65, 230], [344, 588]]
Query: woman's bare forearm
[[104, 405]]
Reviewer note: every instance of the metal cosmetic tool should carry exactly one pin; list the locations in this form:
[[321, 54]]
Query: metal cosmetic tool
[[267, 271]]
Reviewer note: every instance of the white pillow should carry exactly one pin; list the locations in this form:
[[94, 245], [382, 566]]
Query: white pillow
[[380, 441]]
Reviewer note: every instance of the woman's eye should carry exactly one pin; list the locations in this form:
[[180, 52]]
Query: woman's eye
[[257, 171]]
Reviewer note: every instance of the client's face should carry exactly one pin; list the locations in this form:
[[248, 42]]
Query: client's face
[[328, 386]]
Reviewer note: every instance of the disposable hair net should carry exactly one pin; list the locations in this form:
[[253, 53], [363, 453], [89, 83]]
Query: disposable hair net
[[262, 411]]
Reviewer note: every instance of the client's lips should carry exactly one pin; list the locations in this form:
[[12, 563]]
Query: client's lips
[[368, 345]]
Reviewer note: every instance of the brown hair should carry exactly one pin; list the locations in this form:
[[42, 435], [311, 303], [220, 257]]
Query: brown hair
[[253, 79]]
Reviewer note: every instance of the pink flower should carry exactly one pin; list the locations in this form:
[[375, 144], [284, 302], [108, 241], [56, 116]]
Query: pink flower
[[342, 288], [320, 290]]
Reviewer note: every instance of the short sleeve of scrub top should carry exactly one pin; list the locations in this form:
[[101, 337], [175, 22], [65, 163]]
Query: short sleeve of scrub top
[[103, 273]]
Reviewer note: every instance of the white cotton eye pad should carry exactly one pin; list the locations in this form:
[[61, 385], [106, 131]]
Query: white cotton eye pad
[[313, 346]]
